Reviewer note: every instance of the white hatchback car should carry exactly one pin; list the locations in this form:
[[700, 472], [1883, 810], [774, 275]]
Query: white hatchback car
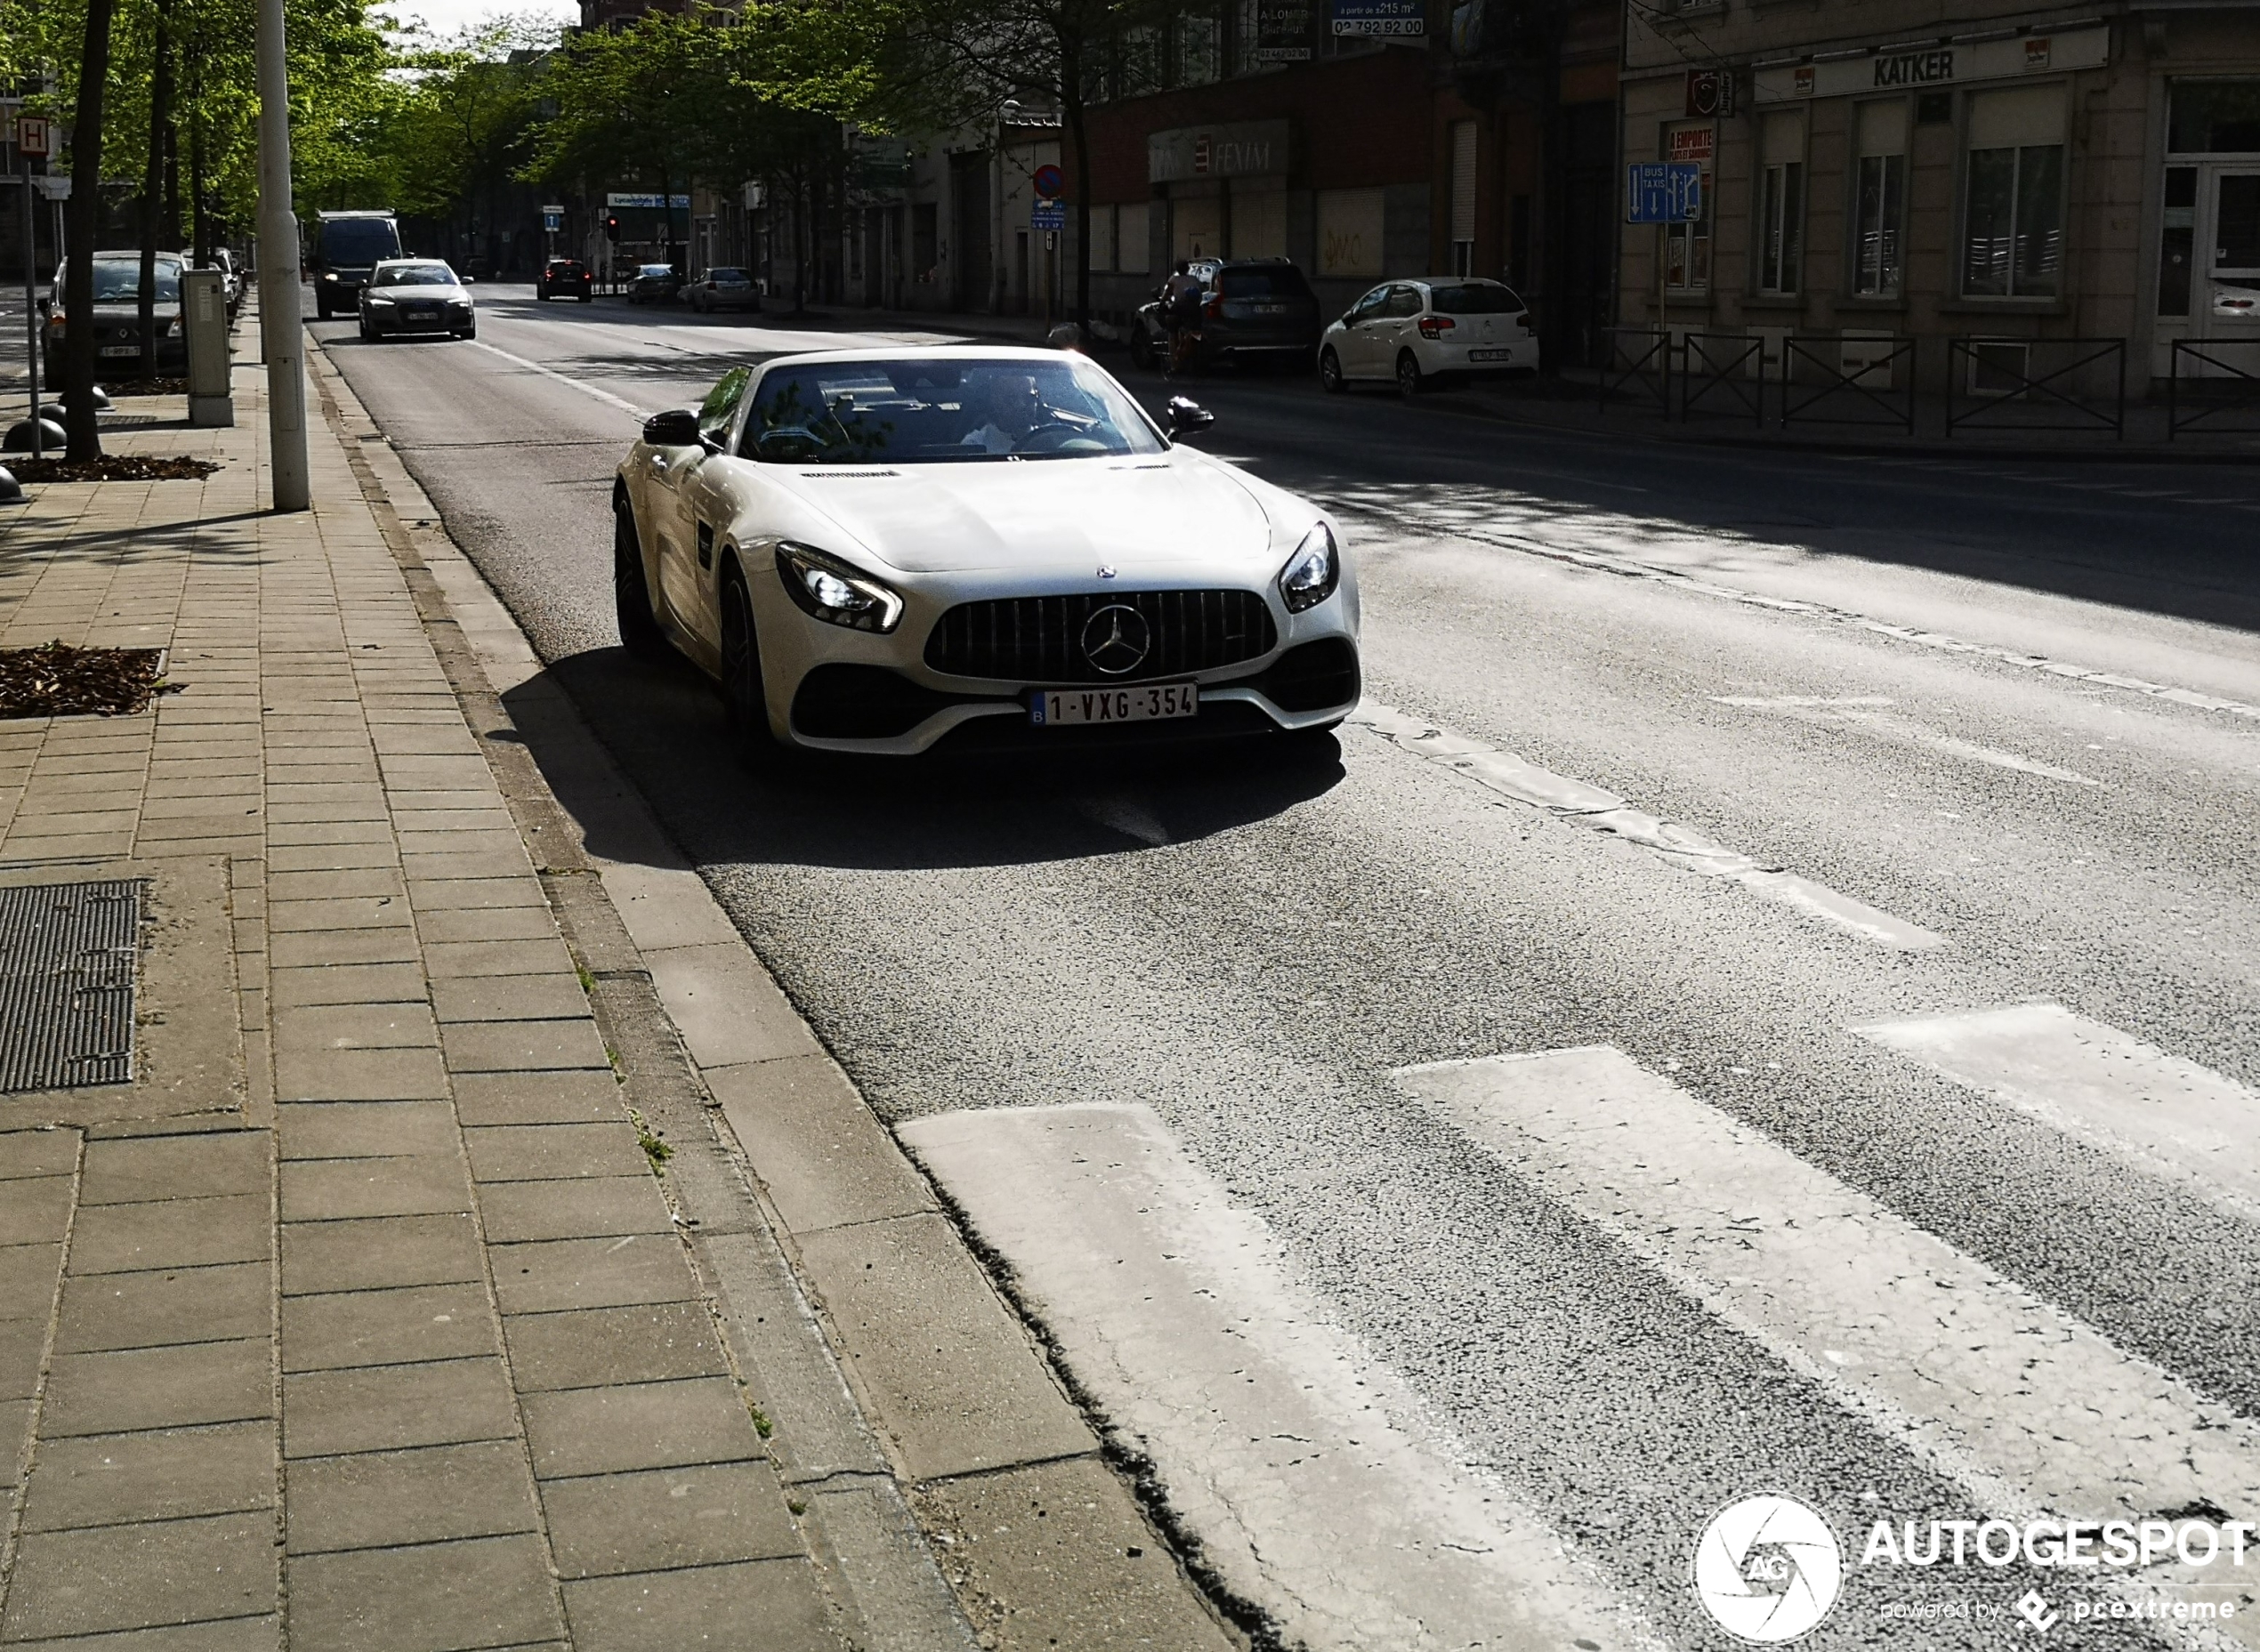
[[873, 549], [1415, 333]]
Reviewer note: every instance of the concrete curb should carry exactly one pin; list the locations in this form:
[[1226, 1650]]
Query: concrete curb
[[914, 1409]]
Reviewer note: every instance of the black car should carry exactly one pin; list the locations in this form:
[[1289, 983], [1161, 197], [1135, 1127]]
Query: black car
[[654, 284], [413, 297], [1254, 312], [565, 277], [116, 319]]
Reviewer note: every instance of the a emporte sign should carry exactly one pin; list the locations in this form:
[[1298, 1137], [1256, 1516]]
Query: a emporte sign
[[1239, 149], [1909, 67]]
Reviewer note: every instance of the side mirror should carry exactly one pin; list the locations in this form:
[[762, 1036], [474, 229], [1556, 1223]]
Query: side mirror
[[677, 427], [1185, 417]]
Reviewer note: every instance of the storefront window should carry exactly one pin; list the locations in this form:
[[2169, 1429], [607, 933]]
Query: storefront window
[[1880, 202], [1201, 57], [1781, 203], [2215, 117], [1687, 247], [2012, 191], [2176, 241]]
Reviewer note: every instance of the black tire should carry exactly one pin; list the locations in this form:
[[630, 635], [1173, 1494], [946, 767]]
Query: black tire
[[322, 312], [640, 632], [1330, 379], [1409, 380], [743, 701]]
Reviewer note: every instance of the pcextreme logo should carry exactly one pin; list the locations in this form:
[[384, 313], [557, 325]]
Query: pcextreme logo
[[1768, 1568]]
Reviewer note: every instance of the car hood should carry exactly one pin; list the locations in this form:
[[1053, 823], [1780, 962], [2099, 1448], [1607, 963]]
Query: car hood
[[416, 294], [1155, 515]]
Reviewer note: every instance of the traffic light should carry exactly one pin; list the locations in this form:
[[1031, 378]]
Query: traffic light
[[612, 229]]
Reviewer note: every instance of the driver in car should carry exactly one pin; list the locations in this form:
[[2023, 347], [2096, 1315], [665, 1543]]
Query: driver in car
[[1011, 405]]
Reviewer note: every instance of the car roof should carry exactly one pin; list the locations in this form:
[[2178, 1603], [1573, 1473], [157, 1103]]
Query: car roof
[[1452, 280], [912, 352], [133, 253]]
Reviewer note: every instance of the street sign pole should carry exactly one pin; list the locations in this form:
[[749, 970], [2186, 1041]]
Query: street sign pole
[[281, 327]]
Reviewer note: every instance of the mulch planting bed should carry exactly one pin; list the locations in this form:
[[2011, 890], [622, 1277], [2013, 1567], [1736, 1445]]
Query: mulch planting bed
[[113, 468], [149, 387], [60, 680]]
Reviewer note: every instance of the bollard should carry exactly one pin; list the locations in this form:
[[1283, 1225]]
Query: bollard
[[204, 302]]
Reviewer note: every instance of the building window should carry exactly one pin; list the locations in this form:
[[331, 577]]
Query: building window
[[2177, 241], [1687, 247], [2013, 190], [1780, 202], [2215, 118], [1131, 228], [1463, 198], [1879, 205], [1101, 238], [1201, 54]]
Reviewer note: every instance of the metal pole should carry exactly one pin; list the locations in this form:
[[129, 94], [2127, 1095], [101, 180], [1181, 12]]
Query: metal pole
[[281, 328], [32, 300]]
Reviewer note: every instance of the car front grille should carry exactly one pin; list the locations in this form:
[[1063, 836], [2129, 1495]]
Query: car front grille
[[1040, 639]]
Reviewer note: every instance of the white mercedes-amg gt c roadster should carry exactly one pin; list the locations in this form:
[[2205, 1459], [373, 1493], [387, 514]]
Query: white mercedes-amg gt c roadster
[[881, 550]]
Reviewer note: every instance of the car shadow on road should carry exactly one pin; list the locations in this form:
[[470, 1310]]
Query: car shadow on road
[[663, 727]]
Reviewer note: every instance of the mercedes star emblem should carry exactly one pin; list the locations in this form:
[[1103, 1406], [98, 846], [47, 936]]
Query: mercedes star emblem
[[1116, 639], [1105, 572]]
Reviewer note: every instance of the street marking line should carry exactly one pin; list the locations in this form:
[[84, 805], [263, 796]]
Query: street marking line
[[1581, 804], [581, 385], [2195, 1125], [1399, 513], [1867, 712], [1316, 1486], [2033, 1412]]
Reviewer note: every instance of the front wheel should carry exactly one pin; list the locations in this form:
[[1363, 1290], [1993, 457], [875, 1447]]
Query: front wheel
[[1410, 381], [744, 703], [1330, 379], [640, 632]]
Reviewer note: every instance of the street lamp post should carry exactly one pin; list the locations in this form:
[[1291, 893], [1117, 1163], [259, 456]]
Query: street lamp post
[[281, 330]]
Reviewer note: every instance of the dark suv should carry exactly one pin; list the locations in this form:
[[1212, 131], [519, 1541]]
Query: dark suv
[[1252, 311], [565, 277]]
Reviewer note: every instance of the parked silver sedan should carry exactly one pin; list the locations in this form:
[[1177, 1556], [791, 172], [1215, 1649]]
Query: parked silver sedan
[[723, 289]]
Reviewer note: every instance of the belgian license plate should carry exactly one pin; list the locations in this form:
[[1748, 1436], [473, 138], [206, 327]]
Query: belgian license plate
[[121, 350], [1152, 702], [1490, 355]]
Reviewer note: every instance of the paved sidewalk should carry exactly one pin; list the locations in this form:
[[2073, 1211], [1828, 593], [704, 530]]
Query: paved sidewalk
[[360, 1319]]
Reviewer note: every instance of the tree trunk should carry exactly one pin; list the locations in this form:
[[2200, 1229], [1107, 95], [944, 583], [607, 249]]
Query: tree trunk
[[86, 215], [199, 221], [153, 186], [1078, 135]]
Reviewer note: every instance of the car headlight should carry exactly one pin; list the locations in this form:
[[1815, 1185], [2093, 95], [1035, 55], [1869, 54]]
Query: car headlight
[[375, 302], [824, 587], [458, 303], [329, 275], [1312, 572]]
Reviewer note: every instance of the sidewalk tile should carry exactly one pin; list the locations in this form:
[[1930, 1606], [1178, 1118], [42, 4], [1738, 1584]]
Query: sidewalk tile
[[173, 1233], [377, 850], [15, 1427], [476, 894], [446, 863], [320, 1029], [317, 1130], [261, 1633], [393, 1407], [357, 912], [164, 1167], [345, 983], [349, 1074], [594, 1347], [728, 1009], [523, 1046], [29, 1278], [667, 1517], [380, 1499], [36, 1210], [378, 1252], [113, 1577], [328, 947], [104, 1480], [480, 1592], [159, 1388], [334, 1190], [118, 1310], [509, 998], [496, 957], [23, 1345], [550, 1275], [25, 1153], [319, 833], [288, 885], [759, 1606], [554, 1153], [586, 1208], [486, 924], [394, 1327], [642, 1425]]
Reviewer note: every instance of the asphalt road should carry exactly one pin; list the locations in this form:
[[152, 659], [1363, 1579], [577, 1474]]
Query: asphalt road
[[2010, 707]]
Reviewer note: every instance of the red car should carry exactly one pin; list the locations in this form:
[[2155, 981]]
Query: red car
[[566, 278]]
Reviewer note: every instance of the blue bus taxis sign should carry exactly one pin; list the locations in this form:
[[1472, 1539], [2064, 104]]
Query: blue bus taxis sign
[[1663, 192]]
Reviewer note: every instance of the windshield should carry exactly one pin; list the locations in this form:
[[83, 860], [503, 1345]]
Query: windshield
[[942, 411], [414, 275], [351, 242], [1284, 282], [1477, 298], [657, 269], [119, 281], [725, 275]]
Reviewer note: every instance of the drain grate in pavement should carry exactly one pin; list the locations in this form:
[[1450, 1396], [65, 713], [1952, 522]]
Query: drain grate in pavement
[[68, 956]]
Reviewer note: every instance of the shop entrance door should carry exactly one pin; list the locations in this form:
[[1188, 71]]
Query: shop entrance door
[[2228, 248]]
